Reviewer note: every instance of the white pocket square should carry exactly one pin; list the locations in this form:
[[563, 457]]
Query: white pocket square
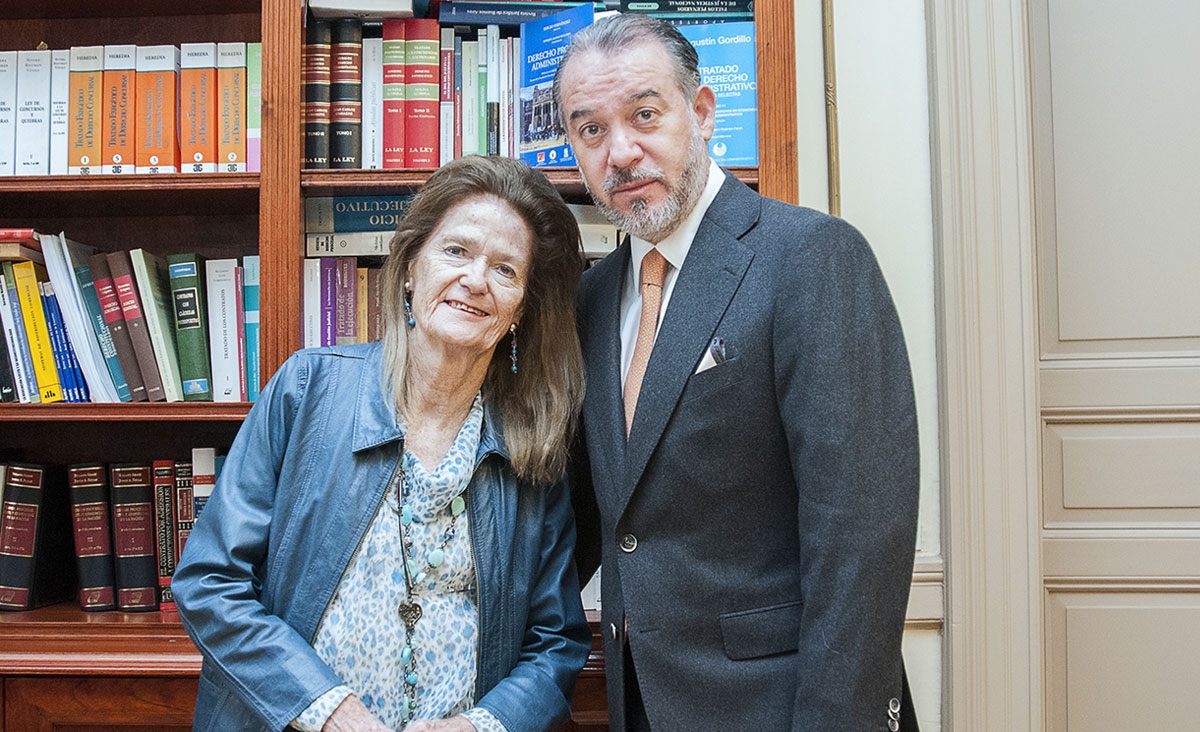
[[707, 362]]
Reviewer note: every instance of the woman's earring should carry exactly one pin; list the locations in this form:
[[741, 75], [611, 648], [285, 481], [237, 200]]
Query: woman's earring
[[408, 303], [513, 329]]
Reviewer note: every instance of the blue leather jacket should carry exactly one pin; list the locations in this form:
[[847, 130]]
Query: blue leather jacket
[[299, 487]]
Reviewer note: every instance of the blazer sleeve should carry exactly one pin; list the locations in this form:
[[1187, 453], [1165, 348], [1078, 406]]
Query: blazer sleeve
[[845, 395]]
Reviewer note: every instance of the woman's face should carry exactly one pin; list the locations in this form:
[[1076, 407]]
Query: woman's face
[[468, 280]]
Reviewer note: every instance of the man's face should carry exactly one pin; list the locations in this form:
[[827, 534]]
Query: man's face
[[639, 142]]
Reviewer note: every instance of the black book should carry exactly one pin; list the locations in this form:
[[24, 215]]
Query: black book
[[36, 567], [345, 94], [88, 484], [8, 383], [135, 559], [314, 78]]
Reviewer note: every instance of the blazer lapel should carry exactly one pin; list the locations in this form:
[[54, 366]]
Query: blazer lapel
[[708, 280]]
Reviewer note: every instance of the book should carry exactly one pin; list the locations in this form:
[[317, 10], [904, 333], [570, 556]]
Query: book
[[727, 53], [190, 321], [481, 91], [163, 479], [26, 276], [197, 107], [91, 526], [118, 144], [14, 333], [361, 301], [364, 9], [78, 256], [328, 300], [32, 155], [394, 94], [16, 251], [329, 214], [8, 113], [345, 317], [31, 238], [468, 97], [543, 141], [157, 109], [492, 95], [250, 300], [226, 330], [653, 7], [458, 97], [314, 80], [231, 107], [135, 565], [126, 291], [375, 307], [348, 243], [85, 111], [422, 95], [345, 94], [254, 107], [372, 97], [311, 293], [60, 110], [74, 387], [8, 382], [204, 477], [183, 505], [508, 15], [154, 291], [36, 566], [114, 318], [599, 236], [446, 97]]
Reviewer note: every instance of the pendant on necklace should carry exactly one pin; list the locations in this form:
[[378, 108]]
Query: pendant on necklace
[[410, 613]]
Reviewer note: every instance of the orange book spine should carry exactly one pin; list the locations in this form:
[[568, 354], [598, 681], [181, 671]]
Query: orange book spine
[[86, 78], [119, 142], [231, 115], [198, 107], [157, 105]]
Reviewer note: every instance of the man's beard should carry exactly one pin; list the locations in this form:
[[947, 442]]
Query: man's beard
[[654, 225]]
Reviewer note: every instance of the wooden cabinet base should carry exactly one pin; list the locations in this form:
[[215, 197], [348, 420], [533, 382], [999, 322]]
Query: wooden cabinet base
[[51, 704]]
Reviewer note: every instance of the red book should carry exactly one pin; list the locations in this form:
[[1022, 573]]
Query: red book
[[134, 560], [422, 91], [31, 238], [393, 93], [135, 320], [164, 530], [184, 517], [88, 484], [114, 318]]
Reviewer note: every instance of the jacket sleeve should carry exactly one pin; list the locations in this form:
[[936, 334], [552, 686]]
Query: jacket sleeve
[[845, 394], [218, 584], [536, 694]]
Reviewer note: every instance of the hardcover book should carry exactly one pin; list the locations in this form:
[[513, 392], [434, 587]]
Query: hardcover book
[[345, 328], [508, 15], [135, 321], [197, 107], [190, 322], [118, 145], [314, 79], [348, 243], [226, 324], [8, 113], [328, 214], [727, 54], [204, 477], [154, 291], [92, 313], [14, 332], [543, 141], [135, 561], [27, 276], [163, 477], [468, 97], [231, 107], [254, 107], [114, 318], [33, 112], [86, 109], [157, 109], [422, 92], [88, 484], [73, 385], [312, 302], [365, 9], [250, 302], [346, 94], [60, 111], [394, 94], [36, 566], [183, 506], [372, 97], [446, 97], [328, 300]]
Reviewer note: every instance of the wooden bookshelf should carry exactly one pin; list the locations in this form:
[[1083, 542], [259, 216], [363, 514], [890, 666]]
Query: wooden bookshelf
[[61, 667]]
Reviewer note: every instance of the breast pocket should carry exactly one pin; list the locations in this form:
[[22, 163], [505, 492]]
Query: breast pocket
[[765, 631], [712, 381]]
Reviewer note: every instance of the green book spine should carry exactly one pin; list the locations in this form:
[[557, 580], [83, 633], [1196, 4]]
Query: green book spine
[[191, 325]]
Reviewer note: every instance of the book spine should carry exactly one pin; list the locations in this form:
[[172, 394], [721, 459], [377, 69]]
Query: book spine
[[14, 334], [60, 345], [118, 144], [8, 381], [446, 97], [469, 109], [254, 107], [157, 105], [225, 358], [88, 485], [329, 214], [504, 14], [135, 571], [348, 244], [504, 102], [183, 506], [394, 94], [191, 326], [114, 318], [198, 107], [135, 322], [95, 312], [372, 97], [86, 107], [153, 283], [481, 90], [33, 113], [8, 113], [34, 536], [422, 92], [493, 89], [328, 300], [231, 107], [204, 477], [345, 301], [250, 298], [164, 530], [345, 94], [458, 65], [374, 304], [312, 302], [60, 110], [28, 275], [360, 302], [314, 79]]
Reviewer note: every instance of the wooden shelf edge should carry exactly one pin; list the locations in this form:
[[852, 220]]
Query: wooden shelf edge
[[317, 182], [127, 184], [126, 412]]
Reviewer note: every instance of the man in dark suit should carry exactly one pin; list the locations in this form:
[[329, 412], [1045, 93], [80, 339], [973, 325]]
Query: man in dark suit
[[749, 423]]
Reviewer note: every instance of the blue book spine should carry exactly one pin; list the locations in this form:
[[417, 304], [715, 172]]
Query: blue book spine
[[335, 214], [728, 67], [250, 285], [87, 290], [58, 345]]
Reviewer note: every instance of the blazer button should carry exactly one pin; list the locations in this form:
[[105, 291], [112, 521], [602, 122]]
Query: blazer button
[[893, 725], [628, 543]]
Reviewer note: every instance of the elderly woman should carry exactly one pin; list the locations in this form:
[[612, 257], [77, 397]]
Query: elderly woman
[[388, 546]]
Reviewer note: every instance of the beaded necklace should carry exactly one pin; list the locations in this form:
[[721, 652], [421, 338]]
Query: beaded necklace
[[414, 574]]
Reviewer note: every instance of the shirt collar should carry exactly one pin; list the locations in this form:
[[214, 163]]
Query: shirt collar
[[675, 247]]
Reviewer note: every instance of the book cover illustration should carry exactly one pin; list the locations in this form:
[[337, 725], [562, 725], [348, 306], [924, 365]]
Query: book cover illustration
[[543, 141]]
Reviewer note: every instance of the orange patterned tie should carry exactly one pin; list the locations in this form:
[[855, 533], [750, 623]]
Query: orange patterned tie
[[654, 271]]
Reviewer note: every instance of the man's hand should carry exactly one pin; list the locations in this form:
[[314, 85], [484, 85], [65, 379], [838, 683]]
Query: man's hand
[[353, 716]]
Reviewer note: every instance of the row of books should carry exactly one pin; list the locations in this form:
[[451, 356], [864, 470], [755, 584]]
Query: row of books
[[125, 524], [116, 109], [85, 325], [416, 93]]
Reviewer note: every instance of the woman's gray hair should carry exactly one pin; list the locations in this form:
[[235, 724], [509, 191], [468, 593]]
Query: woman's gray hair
[[539, 404]]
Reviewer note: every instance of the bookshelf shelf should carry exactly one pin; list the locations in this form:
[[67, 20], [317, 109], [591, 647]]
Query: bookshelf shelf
[[140, 412]]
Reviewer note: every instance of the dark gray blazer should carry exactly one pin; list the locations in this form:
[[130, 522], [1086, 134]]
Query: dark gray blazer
[[757, 530]]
